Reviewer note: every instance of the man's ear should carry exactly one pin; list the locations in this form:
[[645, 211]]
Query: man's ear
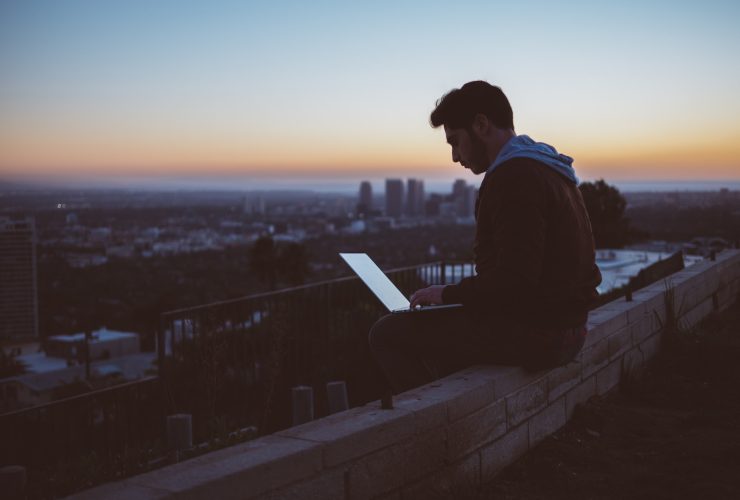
[[480, 125]]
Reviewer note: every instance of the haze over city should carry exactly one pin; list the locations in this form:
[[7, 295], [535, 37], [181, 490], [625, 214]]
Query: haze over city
[[335, 92]]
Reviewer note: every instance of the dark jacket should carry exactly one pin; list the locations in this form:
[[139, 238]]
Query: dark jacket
[[534, 249]]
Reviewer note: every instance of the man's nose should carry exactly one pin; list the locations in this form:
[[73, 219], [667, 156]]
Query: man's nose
[[455, 156]]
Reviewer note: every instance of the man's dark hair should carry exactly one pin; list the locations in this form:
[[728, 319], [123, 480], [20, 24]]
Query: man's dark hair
[[458, 107]]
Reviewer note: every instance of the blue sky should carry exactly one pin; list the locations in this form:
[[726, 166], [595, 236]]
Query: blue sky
[[632, 90]]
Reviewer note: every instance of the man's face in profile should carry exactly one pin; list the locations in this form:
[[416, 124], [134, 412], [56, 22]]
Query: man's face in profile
[[467, 149]]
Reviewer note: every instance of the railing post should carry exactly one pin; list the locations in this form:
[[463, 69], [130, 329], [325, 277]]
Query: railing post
[[336, 393], [13, 482], [386, 401], [161, 346], [442, 270], [180, 432], [302, 404]]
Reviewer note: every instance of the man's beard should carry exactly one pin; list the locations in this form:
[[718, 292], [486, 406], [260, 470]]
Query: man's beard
[[479, 161]]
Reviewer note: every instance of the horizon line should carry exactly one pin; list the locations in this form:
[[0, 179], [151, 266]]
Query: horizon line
[[336, 185]]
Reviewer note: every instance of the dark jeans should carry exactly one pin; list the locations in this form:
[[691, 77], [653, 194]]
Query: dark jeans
[[415, 348]]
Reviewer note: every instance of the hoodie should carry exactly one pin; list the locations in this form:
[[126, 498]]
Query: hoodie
[[534, 252], [522, 146]]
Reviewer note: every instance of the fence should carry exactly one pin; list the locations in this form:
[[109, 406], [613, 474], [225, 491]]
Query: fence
[[230, 364], [70, 442]]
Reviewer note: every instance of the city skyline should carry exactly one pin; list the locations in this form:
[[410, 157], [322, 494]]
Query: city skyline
[[97, 90]]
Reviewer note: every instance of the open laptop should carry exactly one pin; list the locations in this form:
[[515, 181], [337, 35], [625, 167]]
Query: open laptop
[[381, 286]]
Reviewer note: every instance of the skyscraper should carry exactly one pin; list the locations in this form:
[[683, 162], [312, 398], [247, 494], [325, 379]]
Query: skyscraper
[[471, 196], [365, 201], [254, 205], [458, 188], [18, 302], [460, 197], [415, 197], [393, 197]]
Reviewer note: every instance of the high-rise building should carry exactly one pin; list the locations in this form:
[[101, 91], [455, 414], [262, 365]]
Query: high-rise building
[[393, 197], [470, 198], [18, 294], [459, 197], [458, 188], [254, 205], [431, 206], [415, 197], [365, 200]]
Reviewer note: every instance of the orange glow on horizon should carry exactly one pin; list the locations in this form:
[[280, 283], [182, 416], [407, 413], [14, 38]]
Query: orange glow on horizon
[[701, 157]]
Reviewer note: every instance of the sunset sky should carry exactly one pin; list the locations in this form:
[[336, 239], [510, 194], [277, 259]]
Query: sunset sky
[[634, 90]]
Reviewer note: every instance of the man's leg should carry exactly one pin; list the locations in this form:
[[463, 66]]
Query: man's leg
[[403, 344], [395, 341]]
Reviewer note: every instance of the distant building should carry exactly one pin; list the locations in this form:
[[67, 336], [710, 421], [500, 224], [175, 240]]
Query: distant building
[[447, 209], [393, 197], [470, 197], [72, 219], [35, 388], [255, 205], [461, 198], [365, 199], [85, 259], [103, 344], [18, 292], [706, 246], [59, 370], [383, 223], [355, 227], [458, 188], [431, 206], [415, 197], [100, 235]]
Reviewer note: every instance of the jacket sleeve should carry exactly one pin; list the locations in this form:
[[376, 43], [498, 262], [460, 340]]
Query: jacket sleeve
[[510, 235]]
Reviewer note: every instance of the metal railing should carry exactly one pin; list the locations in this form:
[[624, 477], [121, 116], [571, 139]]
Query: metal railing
[[230, 364], [79, 439], [238, 359]]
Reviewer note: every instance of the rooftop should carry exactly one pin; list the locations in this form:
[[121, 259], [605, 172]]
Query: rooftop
[[100, 335], [129, 367], [618, 266]]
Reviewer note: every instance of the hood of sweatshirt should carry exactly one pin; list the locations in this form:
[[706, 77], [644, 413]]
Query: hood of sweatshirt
[[522, 146]]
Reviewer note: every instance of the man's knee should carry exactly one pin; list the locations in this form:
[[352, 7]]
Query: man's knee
[[381, 333]]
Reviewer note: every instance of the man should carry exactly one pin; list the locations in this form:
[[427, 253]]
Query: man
[[534, 254]]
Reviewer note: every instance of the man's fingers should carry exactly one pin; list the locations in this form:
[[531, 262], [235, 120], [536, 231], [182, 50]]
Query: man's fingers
[[417, 298]]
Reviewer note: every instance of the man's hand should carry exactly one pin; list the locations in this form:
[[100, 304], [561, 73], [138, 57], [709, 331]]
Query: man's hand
[[427, 296]]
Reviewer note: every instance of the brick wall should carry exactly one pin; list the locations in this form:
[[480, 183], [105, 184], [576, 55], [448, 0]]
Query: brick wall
[[449, 435]]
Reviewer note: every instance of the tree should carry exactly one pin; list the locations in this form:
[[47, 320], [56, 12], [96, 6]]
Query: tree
[[9, 366], [605, 206], [263, 260], [294, 263]]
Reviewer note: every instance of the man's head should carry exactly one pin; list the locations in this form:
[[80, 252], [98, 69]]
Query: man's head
[[477, 120]]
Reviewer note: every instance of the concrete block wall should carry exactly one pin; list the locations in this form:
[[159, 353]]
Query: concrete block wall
[[447, 437]]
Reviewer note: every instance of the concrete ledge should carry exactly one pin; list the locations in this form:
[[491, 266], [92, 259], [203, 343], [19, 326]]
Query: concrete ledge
[[241, 471], [448, 436]]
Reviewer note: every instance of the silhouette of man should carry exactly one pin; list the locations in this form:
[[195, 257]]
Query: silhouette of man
[[536, 274]]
